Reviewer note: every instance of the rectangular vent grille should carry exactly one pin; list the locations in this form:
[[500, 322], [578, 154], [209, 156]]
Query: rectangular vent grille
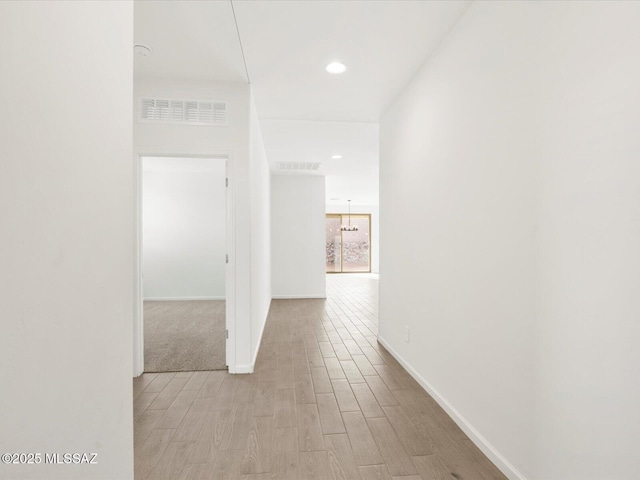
[[183, 112], [298, 165]]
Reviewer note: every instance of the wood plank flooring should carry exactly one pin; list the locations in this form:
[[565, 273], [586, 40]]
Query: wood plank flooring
[[326, 402]]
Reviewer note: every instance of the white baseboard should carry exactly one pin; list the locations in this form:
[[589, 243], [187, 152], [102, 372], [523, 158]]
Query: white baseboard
[[476, 437], [257, 349], [243, 369], [179, 299], [240, 369], [293, 297]]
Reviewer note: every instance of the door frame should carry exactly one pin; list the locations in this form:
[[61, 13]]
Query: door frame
[[230, 283]]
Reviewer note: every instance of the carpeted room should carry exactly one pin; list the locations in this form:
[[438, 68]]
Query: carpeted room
[[183, 237]]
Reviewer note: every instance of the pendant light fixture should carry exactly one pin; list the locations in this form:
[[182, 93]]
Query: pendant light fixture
[[349, 228]]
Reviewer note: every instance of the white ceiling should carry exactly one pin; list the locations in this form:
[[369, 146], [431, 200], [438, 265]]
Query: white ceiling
[[287, 44], [306, 114], [194, 40], [354, 176]]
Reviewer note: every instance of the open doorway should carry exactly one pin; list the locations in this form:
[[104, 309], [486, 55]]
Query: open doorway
[[183, 227]]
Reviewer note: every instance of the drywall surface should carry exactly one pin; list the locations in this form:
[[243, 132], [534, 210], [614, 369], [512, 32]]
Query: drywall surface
[[66, 249], [231, 141], [587, 251], [260, 234], [510, 196], [184, 228], [372, 210], [298, 236], [249, 201]]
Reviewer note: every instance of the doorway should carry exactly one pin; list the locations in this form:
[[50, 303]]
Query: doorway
[[348, 251], [183, 246]]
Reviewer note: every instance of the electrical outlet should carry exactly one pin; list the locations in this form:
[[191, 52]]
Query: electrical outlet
[[406, 333]]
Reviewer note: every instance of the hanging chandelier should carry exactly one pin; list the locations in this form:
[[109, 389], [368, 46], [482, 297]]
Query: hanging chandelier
[[349, 228]]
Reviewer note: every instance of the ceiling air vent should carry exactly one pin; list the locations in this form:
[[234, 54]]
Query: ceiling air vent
[[301, 166], [183, 112]]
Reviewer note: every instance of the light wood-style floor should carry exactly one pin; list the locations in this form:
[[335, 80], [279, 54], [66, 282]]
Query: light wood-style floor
[[326, 402]]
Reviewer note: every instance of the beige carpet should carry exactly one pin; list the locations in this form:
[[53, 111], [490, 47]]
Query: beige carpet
[[184, 335]]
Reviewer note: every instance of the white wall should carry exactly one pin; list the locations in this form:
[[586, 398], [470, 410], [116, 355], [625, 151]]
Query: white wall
[[248, 192], [512, 156], [66, 249], [184, 228], [260, 234], [298, 236], [588, 254], [169, 139], [372, 210]]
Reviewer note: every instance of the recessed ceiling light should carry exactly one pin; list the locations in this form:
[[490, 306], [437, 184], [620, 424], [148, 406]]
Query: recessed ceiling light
[[142, 50], [336, 157], [335, 67]]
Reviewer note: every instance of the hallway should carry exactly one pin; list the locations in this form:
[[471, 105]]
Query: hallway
[[326, 401]]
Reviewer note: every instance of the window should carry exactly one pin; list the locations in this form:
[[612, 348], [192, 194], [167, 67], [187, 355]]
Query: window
[[348, 252]]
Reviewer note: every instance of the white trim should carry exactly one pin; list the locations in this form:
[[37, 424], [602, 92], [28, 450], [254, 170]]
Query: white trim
[[254, 357], [289, 297], [138, 324], [476, 437], [251, 367], [230, 280], [243, 369], [179, 299]]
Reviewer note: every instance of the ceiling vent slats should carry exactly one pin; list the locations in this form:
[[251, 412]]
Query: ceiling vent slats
[[299, 166], [183, 112]]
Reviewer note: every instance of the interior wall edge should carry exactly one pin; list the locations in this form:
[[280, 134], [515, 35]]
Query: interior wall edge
[[254, 357]]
